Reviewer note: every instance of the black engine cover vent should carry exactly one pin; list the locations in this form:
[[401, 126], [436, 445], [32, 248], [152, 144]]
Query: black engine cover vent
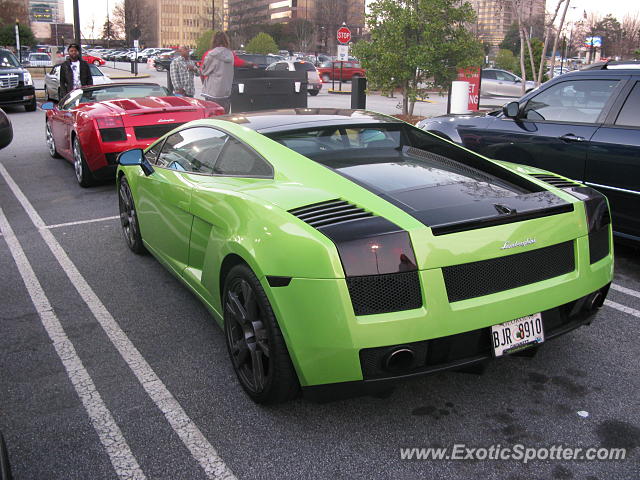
[[330, 212], [555, 180]]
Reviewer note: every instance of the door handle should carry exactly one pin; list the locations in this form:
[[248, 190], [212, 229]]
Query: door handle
[[570, 137]]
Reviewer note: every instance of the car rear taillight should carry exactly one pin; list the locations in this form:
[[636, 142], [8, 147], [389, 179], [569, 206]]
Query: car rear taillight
[[110, 122], [111, 129], [381, 254], [213, 111]]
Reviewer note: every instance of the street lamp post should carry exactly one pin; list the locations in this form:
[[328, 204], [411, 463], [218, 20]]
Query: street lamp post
[[76, 21]]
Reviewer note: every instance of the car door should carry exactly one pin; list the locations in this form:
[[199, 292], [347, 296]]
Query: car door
[[62, 121], [554, 127], [164, 197], [488, 83], [52, 82], [613, 160], [507, 85]]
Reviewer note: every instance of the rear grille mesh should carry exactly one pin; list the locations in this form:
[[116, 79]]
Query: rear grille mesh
[[392, 292], [329, 213], [475, 279], [154, 131], [598, 244], [555, 180]]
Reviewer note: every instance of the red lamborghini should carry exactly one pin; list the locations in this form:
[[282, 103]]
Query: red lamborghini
[[90, 126]]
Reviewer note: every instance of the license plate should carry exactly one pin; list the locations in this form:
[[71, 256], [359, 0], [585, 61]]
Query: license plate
[[517, 334]]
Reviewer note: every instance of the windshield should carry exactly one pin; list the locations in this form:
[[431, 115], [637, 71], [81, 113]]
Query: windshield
[[304, 67], [8, 60], [112, 92]]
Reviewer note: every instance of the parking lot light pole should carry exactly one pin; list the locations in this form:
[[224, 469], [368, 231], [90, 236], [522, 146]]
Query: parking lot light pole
[[76, 21]]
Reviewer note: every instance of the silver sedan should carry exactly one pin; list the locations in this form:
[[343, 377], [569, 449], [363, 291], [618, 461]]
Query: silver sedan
[[502, 83]]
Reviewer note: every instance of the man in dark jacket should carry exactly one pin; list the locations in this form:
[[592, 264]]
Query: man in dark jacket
[[74, 72]]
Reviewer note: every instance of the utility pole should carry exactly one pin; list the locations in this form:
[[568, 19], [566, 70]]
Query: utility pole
[[76, 22], [18, 47]]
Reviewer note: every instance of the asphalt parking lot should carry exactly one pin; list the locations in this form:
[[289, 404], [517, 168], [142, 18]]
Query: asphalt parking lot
[[110, 368]]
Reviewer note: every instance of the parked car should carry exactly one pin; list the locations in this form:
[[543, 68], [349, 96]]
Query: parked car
[[498, 82], [39, 60], [163, 61], [584, 125], [91, 125], [52, 81], [97, 61], [261, 61], [6, 130], [314, 84], [404, 253], [339, 70], [16, 84]]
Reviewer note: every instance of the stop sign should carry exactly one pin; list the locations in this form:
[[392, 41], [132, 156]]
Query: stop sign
[[344, 35]]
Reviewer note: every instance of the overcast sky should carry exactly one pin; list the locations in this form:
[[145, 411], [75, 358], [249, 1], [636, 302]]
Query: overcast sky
[[97, 10]]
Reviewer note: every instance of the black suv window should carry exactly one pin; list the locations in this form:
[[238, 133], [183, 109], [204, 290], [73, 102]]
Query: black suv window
[[630, 114], [574, 101], [489, 74]]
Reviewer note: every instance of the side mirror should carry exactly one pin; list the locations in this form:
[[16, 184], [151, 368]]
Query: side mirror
[[518, 80], [135, 157], [48, 106], [511, 110]]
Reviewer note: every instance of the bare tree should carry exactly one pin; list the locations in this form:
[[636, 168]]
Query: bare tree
[[556, 37], [130, 14], [304, 32], [548, 32], [630, 34]]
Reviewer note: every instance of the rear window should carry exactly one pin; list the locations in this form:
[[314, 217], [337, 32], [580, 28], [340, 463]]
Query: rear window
[[304, 67]]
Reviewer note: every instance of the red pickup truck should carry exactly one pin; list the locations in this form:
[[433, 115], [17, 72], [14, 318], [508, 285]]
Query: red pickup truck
[[333, 70]]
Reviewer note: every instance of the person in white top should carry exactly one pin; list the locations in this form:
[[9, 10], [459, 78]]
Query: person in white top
[[74, 72]]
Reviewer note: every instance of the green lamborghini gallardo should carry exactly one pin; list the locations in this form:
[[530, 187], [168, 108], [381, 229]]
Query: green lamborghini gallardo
[[341, 250]]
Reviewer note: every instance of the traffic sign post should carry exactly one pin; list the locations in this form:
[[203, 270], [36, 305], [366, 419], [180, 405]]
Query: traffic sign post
[[344, 35]]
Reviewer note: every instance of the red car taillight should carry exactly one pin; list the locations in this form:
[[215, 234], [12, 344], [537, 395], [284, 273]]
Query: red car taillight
[[111, 129], [110, 122]]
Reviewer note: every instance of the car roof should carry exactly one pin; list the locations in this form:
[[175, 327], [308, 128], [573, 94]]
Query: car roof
[[265, 121]]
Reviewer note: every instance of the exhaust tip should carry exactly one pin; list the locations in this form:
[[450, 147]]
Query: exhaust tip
[[597, 300], [399, 360]]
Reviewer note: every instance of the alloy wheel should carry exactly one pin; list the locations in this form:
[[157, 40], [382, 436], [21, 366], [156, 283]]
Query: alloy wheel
[[77, 161], [247, 336], [127, 214], [51, 143]]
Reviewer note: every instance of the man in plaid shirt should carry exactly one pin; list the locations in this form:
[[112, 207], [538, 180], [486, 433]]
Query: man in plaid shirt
[[183, 69]]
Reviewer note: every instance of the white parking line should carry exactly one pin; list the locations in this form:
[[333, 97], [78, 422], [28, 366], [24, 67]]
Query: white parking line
[[185, 428], [623, 308], [81, 222], [120, 454], [626, 290]]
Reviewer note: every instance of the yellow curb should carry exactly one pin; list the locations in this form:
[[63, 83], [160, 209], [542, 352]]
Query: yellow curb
[[346, 92]]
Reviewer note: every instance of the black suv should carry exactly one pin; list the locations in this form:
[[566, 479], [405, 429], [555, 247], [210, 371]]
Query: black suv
[[584, 125], [16, 85]]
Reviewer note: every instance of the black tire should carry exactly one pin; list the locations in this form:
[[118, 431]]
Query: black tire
[[5, 467], [31, 106], [129, 218], [256, 347], [313, 93], [83, 174], [159, 67]]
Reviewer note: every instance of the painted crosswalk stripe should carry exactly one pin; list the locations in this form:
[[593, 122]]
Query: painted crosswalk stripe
[[82, 222], [622, 308], [628, 291], [122, 459], [201, 450]]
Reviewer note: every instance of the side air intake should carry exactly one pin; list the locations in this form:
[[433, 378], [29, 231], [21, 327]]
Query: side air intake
[[555, 180], [331, 212]]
